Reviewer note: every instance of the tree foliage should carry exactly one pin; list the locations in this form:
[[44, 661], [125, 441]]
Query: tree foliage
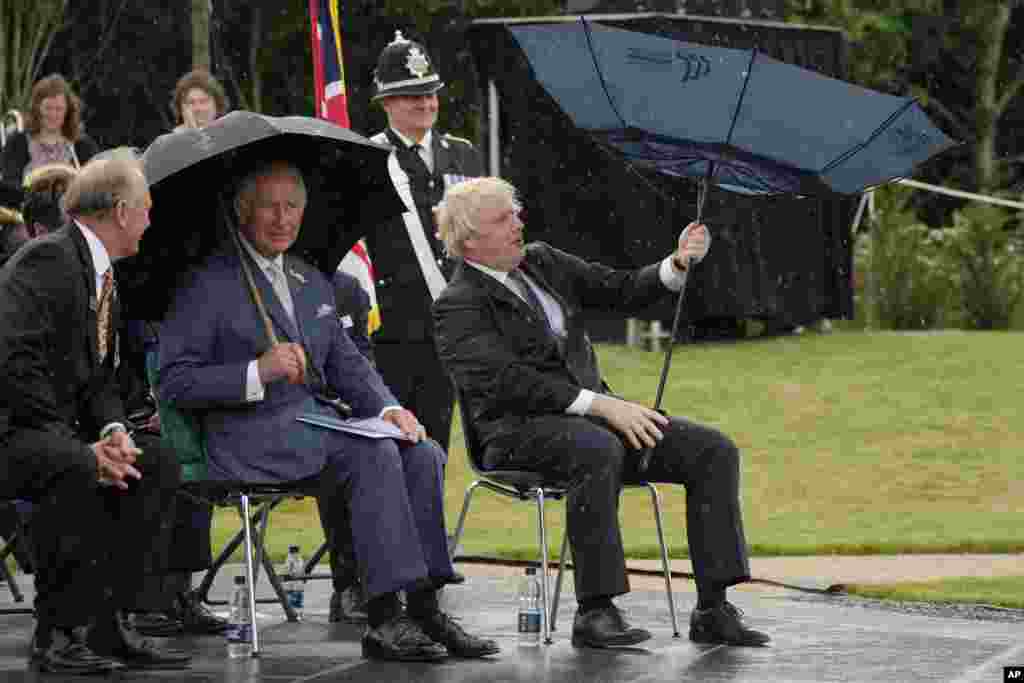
[[963, 58], [27, 28]]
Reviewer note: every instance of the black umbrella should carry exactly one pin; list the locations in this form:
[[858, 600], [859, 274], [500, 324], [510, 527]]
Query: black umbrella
[[193, 174]]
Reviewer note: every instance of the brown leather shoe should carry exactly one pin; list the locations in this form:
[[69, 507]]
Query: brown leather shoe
[[401, 639], [723, 625], [445, 630], [605, 627]]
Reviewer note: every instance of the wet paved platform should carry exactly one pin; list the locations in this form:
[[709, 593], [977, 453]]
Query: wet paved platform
[[814, 639]]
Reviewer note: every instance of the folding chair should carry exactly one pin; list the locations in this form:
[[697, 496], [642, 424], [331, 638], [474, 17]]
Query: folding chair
[[531, 486], [183, 432], [252, 536]]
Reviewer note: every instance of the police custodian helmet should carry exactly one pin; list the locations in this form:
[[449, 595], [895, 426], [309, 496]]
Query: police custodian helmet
[[404, 68]]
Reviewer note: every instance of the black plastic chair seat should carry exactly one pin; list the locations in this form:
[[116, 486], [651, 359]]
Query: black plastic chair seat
[[222, 492], [525, 482]]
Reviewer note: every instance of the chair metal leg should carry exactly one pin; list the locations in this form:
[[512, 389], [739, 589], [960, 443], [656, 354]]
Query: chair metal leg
[[5, 571], [249, 574], [203, 591], [462, 517], [315, 558], [561, 577], [656, 502], [542, 533]]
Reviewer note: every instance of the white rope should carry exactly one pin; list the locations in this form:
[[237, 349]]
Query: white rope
[[960, 193]]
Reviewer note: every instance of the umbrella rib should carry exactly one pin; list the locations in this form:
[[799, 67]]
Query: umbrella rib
[[871, 138], [743, 94], [600, 76]]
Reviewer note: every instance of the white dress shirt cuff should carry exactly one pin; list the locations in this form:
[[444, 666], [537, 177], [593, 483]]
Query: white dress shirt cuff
[[112, 427], [253, 383], [671, 277], [581, 404], [388, 409]]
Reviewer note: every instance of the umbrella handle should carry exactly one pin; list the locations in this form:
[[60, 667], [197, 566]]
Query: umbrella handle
[[702, 195], [251, 283]]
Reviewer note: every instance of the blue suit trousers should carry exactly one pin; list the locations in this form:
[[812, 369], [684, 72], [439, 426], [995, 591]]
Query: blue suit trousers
[[391, 493]]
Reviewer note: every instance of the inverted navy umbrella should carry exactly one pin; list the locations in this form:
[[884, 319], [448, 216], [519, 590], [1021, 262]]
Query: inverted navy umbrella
[[193, 174], [734, 118]]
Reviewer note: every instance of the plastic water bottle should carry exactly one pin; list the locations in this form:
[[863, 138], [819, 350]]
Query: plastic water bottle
[[530, 613], [239, 632], [295, 589]]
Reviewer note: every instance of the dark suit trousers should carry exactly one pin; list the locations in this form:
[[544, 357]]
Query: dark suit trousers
[[416, 377], [594, 459], [93, 545], [390, 497]]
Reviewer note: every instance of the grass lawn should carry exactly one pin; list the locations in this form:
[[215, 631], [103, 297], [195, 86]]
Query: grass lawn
[[1003, 591], [852, 442]]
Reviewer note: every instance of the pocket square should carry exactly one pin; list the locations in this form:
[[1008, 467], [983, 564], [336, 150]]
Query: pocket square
[[324, 311]]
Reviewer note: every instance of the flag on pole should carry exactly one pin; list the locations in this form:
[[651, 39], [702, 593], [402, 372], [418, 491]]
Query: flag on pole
[[328, 64], [331, 100], [357, 264]]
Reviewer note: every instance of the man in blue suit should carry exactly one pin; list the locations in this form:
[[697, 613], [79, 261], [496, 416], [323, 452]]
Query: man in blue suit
[[216, 360]]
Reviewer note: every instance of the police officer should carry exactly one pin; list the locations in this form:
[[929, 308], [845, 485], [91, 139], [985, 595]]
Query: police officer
[[408, 259]]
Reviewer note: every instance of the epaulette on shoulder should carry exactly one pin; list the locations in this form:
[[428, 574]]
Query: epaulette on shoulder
[[449, 136]]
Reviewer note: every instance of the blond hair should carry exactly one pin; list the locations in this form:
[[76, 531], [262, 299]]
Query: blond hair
[[456, 214]]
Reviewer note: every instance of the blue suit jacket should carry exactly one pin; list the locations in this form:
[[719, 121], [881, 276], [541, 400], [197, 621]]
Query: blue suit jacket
[[212, 332]]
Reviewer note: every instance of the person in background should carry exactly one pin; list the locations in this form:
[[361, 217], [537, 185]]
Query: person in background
[[53, 133], [198, 100], [407, 256], [13, 232]]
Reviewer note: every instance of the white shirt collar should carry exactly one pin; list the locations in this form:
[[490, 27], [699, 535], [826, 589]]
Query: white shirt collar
[[499, 275], [262, 261], [100, 256], [425, 142]]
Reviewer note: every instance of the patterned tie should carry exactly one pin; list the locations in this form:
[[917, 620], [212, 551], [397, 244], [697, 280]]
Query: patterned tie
[[530, 296], [280, 284], [103, 310]]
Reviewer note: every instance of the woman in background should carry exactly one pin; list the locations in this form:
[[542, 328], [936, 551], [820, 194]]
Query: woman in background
[[53, 132]]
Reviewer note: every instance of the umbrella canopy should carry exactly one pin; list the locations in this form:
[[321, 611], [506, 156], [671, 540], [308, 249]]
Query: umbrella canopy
[[193, 174], [744, 121]]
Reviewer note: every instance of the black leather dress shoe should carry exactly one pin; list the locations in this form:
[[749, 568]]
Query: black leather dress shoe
[[445, 630], [66, 651], [157, 624], [723, 625], [196, 618], [401, 639], [605, 627], [348, 605], [119, 641]]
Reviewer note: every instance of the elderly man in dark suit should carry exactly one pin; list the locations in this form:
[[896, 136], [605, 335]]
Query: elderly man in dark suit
[[216, 358], [510, 330], [101, 498]]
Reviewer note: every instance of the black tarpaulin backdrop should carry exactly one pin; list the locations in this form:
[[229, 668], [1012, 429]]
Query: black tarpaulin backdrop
[[787, 259]]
